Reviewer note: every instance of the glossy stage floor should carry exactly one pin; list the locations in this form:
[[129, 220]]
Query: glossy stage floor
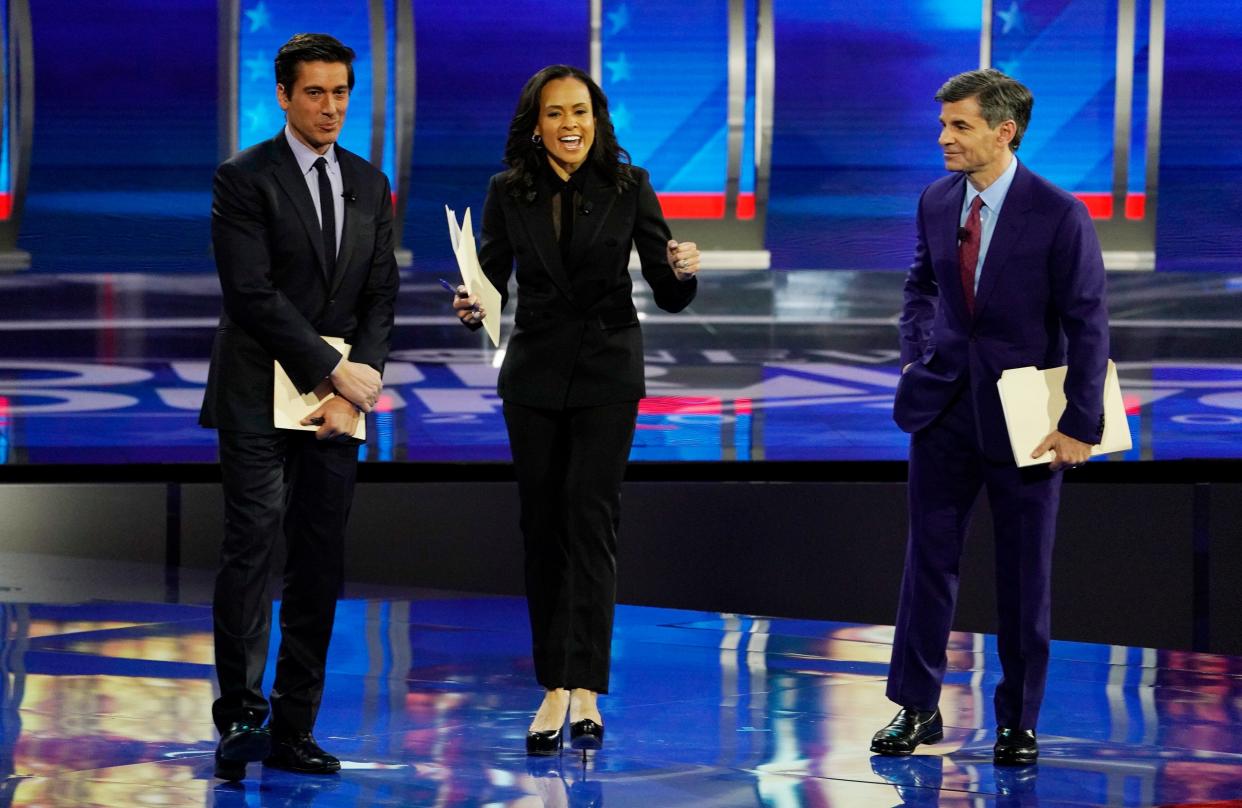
[[787, 366], [107, 691]]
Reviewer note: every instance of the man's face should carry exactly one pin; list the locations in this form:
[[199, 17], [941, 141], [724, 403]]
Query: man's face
[[968, 143], [315, 108]]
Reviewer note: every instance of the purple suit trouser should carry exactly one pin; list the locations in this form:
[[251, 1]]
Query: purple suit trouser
[[947, 470]]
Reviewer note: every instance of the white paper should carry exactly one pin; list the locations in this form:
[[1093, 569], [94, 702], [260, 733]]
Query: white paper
[[1034, 400], [472, 275]]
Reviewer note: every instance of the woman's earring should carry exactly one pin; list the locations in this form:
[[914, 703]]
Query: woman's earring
[[538, 141]]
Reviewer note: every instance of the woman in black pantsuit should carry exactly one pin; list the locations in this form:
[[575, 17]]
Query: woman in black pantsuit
[[567, 212]]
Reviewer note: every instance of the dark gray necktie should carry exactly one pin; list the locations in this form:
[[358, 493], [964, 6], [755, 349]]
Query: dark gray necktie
[[327, 215]]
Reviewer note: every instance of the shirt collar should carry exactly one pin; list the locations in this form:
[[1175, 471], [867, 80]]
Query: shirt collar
[[306, 156], [576, 181], [994, 194]]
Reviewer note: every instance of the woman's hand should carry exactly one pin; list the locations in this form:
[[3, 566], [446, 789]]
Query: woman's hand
[[683, 257], [467, 309]]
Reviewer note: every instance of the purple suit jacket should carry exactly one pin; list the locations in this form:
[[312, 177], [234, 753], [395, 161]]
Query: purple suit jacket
[[1040, 302]]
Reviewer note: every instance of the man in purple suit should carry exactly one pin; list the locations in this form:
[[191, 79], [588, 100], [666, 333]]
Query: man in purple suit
[[1007, 273]]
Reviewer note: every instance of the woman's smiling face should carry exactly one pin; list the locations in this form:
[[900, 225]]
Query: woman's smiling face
[[566, 124]]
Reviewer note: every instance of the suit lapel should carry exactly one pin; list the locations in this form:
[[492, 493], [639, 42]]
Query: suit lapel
[[537, 220], [598, 198], [289, 175], [1008, 230], [349, 181], [944, 217]]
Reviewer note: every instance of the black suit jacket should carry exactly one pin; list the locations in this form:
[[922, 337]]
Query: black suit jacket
[[576, 340], [278, 297]]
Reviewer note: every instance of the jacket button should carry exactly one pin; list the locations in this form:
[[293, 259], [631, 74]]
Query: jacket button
[[332, 301]]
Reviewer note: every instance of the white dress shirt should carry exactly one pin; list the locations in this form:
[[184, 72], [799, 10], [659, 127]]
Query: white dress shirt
[[306, 158], [993, 199]]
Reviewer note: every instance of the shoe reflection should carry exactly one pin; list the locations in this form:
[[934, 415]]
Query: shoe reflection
[[586, 794], [552, 784], [917, 778], [279, 791], [1015, 786], [229, 795]]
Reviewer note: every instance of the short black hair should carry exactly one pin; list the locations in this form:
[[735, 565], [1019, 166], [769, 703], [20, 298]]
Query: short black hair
[[1000, 98], [310, 48]]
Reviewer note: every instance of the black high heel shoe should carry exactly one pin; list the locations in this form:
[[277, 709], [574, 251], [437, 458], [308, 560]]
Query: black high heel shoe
[[544, 742], [586, 734]]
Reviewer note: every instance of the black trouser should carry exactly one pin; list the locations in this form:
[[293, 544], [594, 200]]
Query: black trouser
[[569, 466], [289, 479]]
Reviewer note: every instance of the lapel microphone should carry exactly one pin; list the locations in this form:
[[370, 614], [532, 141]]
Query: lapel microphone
[[349, 196], [585, 210]]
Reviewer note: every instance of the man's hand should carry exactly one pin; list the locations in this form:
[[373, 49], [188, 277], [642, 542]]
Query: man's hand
[[358, 383], [1069, 451], [683, 257], [336, 417]]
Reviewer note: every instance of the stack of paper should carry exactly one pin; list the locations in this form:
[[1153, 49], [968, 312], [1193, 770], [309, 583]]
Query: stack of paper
[[1034, 400], [472, 275]]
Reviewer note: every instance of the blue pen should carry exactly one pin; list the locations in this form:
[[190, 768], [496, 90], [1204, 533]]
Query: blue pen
[[448, 286]]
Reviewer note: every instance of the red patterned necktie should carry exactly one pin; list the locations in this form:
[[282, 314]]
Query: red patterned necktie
[[968, 252]]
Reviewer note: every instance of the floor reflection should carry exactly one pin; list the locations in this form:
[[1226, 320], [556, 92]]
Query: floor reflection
[[106, 703]]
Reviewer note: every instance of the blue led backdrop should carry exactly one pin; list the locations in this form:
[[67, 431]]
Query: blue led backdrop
[[127, 127]]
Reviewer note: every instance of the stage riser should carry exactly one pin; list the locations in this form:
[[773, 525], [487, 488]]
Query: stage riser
[[1125, 559]]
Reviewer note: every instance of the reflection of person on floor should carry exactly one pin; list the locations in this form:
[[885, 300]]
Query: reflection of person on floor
[[302, 234], [917, 778], [277, 792], [568, 210], [555, 790], [1007, 273], [14, 640]]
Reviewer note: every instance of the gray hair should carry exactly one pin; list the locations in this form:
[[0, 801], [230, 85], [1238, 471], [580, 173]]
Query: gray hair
[[1000, 98]]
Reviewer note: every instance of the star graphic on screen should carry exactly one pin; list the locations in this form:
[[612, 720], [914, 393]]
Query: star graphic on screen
[[620, 19], [1009, 68], [1012, 18], [258, 65], [620, 69], [258, 118], [259, 17], [620, 118]]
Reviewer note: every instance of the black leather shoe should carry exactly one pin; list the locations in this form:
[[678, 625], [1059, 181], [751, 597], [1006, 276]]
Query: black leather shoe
[[908, 729], [231, 770], [299, 753], [586, 734], [1015, 747], [544, 742], [243, 742]]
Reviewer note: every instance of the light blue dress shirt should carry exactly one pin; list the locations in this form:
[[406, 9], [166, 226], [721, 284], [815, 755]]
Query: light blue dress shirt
[[306, 158], [993, 199]]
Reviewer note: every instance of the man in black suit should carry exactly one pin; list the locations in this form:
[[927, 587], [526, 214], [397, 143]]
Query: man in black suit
[[279, 211]]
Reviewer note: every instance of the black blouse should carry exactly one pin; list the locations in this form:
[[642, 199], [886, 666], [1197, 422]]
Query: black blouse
[[566, 198]]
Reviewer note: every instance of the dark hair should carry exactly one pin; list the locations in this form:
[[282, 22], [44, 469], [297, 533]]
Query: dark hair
[[526, 159], [1000, 98], [310, 48]]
